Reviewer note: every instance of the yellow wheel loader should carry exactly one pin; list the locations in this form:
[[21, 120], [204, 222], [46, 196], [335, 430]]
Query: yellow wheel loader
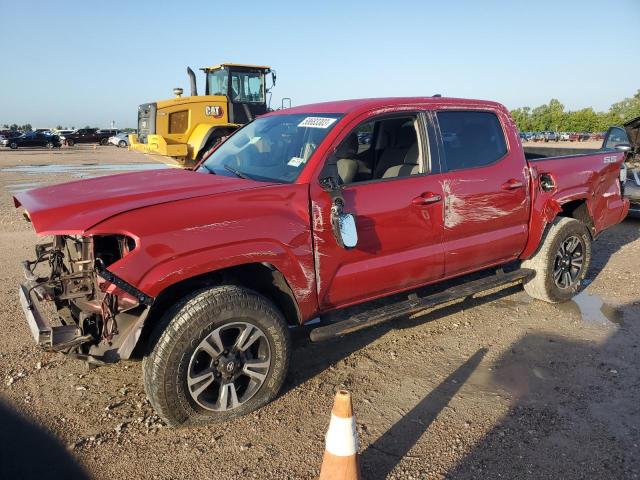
[[185, 128]]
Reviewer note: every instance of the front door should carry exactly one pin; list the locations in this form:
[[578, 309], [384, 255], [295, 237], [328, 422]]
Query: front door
[[397, 204]]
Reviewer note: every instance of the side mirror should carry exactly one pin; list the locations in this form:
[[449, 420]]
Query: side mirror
[[348, 231], [623, 147], [344, 224]]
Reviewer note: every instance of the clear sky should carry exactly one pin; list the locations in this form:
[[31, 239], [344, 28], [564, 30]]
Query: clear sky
[[87, 62]]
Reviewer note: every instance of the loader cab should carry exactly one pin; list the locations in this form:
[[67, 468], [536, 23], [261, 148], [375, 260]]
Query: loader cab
[[244, 85]]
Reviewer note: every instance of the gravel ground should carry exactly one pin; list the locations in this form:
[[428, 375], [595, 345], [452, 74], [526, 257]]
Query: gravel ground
[[498, 386]]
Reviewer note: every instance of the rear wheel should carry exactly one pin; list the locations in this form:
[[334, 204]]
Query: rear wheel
[[49, 145], [222, 353], [13, 145], [70, 143], [122, 144], [104, 141], [561, 262]]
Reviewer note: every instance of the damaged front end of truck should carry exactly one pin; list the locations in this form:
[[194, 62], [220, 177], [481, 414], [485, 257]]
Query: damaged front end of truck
[[75, 305]]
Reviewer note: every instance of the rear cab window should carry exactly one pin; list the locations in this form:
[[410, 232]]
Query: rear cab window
[[471, 139]]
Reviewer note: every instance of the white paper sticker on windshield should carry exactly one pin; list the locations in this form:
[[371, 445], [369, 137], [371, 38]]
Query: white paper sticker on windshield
[[317, 122], [296, 161]]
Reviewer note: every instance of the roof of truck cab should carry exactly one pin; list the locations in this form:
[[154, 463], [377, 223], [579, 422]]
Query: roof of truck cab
[[366, 104]]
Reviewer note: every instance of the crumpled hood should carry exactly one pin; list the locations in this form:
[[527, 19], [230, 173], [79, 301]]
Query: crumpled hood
[[74, 207]]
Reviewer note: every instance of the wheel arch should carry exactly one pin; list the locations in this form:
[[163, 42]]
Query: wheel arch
[[577, 208], [262, 278]]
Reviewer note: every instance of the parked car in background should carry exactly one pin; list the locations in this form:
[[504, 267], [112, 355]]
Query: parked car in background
[[33, 139], [364, 138], [109, 131], [550, 136], [63, 132], [4, 134], [574, 137], [564, 136], [87, 135], [120, 140]]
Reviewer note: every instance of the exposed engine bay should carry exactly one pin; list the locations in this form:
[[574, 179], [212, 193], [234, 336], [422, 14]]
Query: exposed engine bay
[[96, 310]]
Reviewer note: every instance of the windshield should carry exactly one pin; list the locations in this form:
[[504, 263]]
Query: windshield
[[274, 148]]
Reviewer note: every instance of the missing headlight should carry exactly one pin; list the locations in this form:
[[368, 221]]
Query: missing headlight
[[111, 248]]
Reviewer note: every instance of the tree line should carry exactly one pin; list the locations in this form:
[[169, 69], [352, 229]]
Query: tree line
[[553, 117]]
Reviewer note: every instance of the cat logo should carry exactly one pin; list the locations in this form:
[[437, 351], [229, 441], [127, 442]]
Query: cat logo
[[214, 111]]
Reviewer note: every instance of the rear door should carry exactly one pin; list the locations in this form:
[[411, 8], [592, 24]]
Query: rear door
[[398, 215], [486, 185]]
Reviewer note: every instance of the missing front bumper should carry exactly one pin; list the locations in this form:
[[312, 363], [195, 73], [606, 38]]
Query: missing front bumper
[[51, 338]]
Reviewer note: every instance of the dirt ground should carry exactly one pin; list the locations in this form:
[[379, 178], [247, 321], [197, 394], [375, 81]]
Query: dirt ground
[[498, 386]]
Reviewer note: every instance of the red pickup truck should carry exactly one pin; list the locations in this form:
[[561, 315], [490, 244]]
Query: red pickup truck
[[204, 273]]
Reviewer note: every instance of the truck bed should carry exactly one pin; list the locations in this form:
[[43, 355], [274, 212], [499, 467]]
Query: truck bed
[[588, 175], [536, 153]]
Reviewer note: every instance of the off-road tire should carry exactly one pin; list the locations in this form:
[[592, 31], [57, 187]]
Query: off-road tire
[[542, 286], [181, 330]]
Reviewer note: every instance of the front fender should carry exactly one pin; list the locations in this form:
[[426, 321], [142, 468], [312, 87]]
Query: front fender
[[299, 274], [179, 240]]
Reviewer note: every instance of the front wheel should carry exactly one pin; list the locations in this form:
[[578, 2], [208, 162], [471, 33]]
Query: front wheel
[[222, 353], [49, 145], [70, 143], [561, 262], [122, 144], [13, 145], [104, 141]]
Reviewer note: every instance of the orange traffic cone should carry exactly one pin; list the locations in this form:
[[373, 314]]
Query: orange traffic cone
[[340, 461]]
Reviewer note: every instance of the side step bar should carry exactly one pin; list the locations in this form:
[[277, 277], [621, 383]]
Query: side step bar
[[413, 305]]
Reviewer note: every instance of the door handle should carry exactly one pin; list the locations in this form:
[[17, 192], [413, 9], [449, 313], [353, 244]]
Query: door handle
[[426, 198], [512, 184]]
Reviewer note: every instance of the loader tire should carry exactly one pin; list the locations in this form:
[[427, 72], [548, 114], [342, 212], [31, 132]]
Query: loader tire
[[561, 262], [220, 353]]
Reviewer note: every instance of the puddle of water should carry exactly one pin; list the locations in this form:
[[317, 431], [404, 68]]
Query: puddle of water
[[592, 308], [83, 170], [589, 307]]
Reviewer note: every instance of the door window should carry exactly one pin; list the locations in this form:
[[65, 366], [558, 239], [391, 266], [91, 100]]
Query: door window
[[471, 139], [381, 149]]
